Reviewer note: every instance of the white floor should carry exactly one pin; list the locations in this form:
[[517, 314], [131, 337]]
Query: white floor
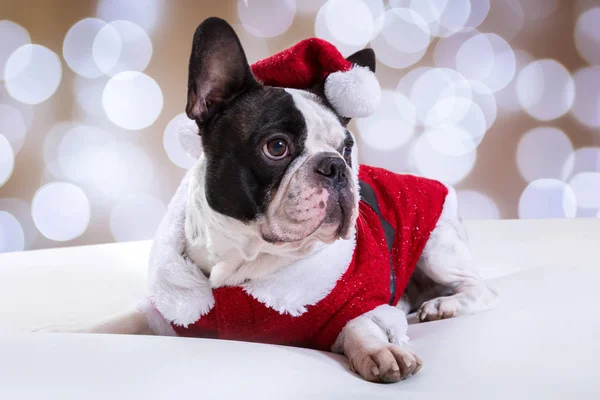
[[541, 342]]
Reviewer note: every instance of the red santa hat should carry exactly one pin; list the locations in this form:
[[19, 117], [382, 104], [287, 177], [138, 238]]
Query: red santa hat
[[351, 89]]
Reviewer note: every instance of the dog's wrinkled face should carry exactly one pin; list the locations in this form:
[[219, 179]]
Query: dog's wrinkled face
[[279, 159]]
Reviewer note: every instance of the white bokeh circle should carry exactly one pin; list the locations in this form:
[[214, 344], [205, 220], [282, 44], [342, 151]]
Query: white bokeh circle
[[586, 186], [266, 18], [132, 100], [13, 36], [402, 39], [21, 210], [121, 46], [32, 74], [473, 205], [7, 160], [78, 46], [547, 198], [586, 107], [488, 58], [506, 98], [172, 143], [391, 125], [542, 153], [12, 237], [479, 12], [61, 211], [585, 159], [12, 126], [587, 35], [433, 86], [428, 162], [145, 13], [136, 217], [347, 22], [545, 89]]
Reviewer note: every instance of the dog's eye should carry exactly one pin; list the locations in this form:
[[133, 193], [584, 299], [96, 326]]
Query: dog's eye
[[275, 149], [347, 151]]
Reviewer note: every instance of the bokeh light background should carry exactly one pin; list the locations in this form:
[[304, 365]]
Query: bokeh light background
[[500, 98]]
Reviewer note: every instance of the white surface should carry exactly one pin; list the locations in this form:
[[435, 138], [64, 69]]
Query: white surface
[[541, 342]]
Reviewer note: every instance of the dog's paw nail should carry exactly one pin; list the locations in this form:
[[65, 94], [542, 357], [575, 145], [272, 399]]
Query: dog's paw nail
[[395, 368], [375, 370], [406, 361]]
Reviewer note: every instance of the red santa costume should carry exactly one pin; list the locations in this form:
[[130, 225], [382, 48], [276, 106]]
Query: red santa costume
[[410, 204], [308, 303]]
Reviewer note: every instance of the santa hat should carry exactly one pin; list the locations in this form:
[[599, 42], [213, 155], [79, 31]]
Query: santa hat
[[351, 89]]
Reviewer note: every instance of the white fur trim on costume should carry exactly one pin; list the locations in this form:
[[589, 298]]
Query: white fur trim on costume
[[306, 281], [354, 93], [189, 138], [178, 288]]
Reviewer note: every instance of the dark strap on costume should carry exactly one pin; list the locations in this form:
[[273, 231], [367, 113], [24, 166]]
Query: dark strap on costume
[[367, 194]]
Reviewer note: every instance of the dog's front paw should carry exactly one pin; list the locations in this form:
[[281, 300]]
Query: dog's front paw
[[386, 364], [440, 308]]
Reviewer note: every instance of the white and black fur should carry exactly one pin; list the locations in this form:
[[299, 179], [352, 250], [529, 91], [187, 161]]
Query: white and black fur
[[239, 216]]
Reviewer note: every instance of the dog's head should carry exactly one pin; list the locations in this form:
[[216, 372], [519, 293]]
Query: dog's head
[[279, 159]]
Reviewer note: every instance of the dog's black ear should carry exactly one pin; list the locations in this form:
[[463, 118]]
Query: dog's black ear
[[218, 70], [364, 58]]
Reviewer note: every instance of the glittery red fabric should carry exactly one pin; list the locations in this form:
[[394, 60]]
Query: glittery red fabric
[[301, 66], [412, 205]]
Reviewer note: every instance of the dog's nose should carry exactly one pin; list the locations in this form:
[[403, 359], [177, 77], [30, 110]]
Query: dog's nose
[[333, 168]]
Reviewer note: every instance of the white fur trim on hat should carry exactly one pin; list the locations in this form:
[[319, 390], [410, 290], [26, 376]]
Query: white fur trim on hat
[[354, 93]]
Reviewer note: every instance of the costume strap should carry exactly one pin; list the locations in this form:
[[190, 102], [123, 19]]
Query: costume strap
[[367, 194]]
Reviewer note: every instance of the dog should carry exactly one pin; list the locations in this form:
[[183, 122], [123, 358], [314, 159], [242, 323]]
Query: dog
[[273, 217]]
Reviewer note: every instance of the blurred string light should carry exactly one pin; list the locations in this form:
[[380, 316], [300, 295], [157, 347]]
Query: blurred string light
[[145, 13], [132, 100], [586, 107], [12, 237], [121, 46], [32, 74], [93, 48], [172, 144], [548, 198], [106, 168], [348, 24], [445, 17], [507, 98], [427, 161], [587, 35], [61, 211], [7, 160], [136, 217], [21, 210], [12, 126], [402, 39], [585, 159], [27, 111], [13, 36], [586, 186], [391, 125], [475, 205], [545, 89], [542, 153], [266, 18]]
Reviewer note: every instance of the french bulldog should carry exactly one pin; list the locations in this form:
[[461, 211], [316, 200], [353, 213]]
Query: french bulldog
[[269, 222]]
